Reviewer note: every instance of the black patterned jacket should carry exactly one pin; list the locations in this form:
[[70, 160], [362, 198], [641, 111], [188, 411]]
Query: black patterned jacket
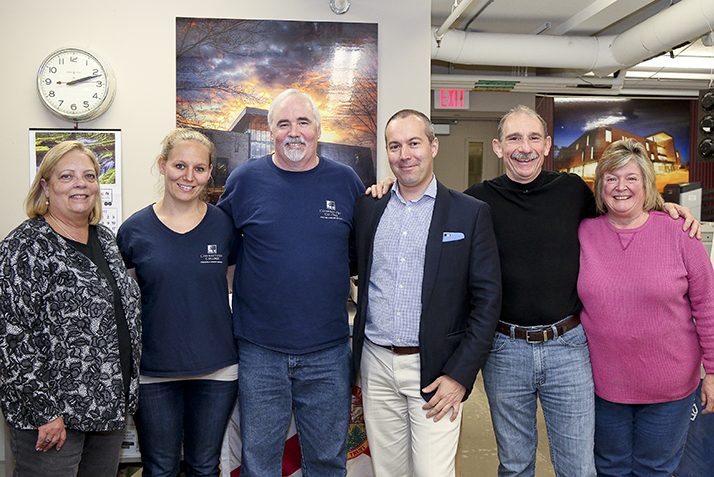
[[59, 350]]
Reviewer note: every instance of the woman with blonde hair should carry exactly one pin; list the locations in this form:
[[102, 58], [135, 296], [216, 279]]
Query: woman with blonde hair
[[69, 326], [181, 251], [648, 312]]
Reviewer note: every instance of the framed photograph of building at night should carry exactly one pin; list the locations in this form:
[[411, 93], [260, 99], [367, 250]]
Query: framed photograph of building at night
[[584, 127]]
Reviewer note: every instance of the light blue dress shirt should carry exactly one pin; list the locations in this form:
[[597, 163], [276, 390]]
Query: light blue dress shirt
[[395, 283]]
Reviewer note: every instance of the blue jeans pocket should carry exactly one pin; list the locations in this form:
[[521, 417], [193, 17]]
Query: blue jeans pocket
[[500, 341], [574, 338]]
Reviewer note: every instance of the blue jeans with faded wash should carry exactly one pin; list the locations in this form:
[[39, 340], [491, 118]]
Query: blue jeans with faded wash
[[316, 387], [557, 372]]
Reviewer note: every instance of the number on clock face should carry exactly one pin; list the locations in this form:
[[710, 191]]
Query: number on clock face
[[73, 83]]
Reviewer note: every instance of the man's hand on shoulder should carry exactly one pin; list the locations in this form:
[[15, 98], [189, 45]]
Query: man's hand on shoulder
[[380, 189], [690, 223]]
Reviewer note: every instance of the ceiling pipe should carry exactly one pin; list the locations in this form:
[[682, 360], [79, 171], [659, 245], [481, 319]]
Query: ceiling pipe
[[679, 23], [455, 14], [500, 49]]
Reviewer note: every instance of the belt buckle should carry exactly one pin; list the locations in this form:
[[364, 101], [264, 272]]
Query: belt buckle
[[543, 332]]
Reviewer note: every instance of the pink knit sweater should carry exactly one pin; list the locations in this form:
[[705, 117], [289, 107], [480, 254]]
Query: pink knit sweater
[[640, 289]]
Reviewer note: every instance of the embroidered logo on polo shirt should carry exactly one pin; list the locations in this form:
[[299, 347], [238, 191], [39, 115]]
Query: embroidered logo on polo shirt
[[330, 211], [211, 255]]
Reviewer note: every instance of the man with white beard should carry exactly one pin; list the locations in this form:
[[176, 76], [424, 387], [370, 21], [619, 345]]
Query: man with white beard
[[293, 210], [540, 350]]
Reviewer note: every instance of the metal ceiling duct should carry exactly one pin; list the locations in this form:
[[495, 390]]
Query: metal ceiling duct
[[677, 24]]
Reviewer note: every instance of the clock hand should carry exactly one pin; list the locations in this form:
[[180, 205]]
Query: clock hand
[[81, 80]]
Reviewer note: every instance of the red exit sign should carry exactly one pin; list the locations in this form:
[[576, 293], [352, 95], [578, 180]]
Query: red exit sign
[[451, 99]]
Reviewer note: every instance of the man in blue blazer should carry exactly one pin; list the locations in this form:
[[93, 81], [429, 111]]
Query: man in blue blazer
[[429, 300]]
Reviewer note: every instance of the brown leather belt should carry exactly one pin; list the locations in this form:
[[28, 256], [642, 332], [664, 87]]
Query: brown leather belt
[[539, 335], [398, 349]]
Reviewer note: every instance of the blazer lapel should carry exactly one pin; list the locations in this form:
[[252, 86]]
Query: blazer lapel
[[379, 206], [434, 241]]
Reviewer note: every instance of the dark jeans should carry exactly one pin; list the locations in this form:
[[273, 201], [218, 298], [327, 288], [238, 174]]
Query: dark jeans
[[84, 454], [640, 439], [195, 411]]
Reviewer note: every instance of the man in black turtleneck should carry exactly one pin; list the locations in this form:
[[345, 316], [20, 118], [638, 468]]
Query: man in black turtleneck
[[539, 349]]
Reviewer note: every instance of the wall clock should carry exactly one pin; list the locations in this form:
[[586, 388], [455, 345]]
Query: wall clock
[[75, 84]]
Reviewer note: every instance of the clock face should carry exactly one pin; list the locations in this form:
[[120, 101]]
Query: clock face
[[75, 84]]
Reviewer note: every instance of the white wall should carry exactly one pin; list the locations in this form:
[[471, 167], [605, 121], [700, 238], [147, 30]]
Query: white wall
[[138, 39]]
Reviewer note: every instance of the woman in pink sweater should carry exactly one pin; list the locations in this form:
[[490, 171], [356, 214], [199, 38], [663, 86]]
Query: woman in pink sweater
[[648, 312]]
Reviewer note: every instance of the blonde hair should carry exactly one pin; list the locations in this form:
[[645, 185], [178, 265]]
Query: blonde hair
[[36, 202], [185, 134], [619, 154]]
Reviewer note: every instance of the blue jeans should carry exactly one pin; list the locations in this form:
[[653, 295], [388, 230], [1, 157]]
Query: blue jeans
[[640, 439], [558, 372], [316, 387], [84, 454], [196, 411]]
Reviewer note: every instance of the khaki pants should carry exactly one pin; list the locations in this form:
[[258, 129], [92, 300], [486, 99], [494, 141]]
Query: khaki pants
[[402, 441]]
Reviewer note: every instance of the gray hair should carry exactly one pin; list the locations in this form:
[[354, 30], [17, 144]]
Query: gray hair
[[279, 99], [522, 110]]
